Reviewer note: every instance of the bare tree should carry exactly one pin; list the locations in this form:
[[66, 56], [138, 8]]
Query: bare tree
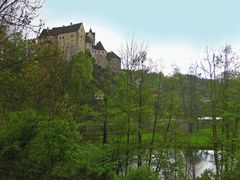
[[19, 14], [220, 70], [211, 68], [229, 70], [133, 55], [193, 78], [16, 17]]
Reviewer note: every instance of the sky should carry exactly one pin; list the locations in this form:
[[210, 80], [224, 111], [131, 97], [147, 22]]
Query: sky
[[176, 31]]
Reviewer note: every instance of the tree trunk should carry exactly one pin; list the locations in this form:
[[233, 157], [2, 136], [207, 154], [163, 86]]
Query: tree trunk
[[129, 90], [156, 114], [140, 126]]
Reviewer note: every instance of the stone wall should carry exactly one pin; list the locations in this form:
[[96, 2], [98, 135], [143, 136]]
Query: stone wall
[[114, 64], [72, 43], [81, 40]]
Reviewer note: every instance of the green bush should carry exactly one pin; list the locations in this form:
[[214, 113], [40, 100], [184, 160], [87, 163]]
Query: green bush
[[32, 146], [142, 173]]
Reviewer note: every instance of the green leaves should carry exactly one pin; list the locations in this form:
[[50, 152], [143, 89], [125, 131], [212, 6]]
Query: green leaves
[[36, 147], [34, 144], [143, 173], [81, 72]]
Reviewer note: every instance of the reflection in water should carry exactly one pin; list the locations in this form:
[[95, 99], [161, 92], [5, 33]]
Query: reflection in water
[[199, 161], [172, 165], [180, 164], [206, 161]]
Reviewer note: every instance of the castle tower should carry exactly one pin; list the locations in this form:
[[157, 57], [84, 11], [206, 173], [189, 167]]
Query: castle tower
[[89, 40], [92, 36]]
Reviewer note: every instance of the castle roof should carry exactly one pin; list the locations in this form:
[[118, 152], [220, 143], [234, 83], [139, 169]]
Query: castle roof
[[90, 31], [112, 55], [99, 46], [60, 30]]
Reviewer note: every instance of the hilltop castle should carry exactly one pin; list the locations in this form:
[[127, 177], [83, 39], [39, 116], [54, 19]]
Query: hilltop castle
[[72, 39]]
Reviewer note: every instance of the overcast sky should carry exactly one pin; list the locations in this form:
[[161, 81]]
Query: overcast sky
[[176, 31]]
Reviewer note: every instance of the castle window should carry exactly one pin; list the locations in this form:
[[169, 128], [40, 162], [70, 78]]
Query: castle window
[[71, 35]]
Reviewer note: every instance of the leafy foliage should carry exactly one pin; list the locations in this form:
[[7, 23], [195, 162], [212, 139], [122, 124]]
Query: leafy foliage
[[143, 173]]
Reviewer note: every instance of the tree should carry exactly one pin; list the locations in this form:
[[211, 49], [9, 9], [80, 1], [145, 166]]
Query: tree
[[157, 114], [194, 96], [79, 78], [143, 173], [139, 78], [132, 56], [229, 71], [32, 146], [172, 101], [17, 68], [211, 67], [19, 14], [51, 77]]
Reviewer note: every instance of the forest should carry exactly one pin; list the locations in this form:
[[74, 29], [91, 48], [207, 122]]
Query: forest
[[75, 120]]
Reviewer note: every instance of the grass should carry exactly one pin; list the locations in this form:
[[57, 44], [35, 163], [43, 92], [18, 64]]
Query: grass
[[201, 139]]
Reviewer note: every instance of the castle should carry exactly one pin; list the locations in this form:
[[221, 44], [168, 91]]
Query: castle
[[73, 39]]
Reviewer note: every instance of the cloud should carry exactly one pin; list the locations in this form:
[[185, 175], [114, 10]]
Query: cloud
[[169, 54], [110, 40], [163, 55], [181, 56]]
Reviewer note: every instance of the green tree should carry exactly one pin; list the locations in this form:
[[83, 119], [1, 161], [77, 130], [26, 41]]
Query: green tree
[[142, 173], [17, 68], [50, 79], [32, 146], [131, 59], [78, 82]]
